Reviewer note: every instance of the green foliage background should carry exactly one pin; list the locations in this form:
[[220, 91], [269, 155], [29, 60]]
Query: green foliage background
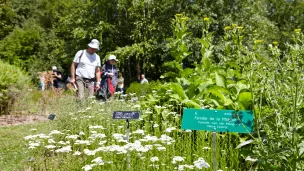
[[36, 34]]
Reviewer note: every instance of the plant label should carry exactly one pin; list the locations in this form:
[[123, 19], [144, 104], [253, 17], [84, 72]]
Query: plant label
[[218, 120], [126, 115], [52, 117]]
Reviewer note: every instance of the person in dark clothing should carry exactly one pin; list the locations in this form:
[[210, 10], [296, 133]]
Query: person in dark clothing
[[57, 78], [109, 74]]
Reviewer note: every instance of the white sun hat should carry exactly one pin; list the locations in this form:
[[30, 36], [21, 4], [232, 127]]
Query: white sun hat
[[54, 68], [112, 57], [94, 44]]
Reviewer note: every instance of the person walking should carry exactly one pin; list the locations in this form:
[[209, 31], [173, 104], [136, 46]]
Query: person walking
[[85, 69], [57, 77], [109, 75]]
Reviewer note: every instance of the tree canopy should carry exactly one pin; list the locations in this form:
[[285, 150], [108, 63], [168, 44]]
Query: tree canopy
[[36, 34]]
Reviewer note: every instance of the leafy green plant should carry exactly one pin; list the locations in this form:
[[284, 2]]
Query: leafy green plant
[[12, 82]]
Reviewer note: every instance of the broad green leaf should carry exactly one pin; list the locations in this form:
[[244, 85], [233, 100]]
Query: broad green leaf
[[245, 98], [220, 80], [206, 63]]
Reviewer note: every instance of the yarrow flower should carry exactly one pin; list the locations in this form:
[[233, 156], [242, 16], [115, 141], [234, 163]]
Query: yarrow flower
[[88, 167], [201, 163], [170, 129], [154, 159], [74, 137], [50, 146], [251, 159], [51, 141], [98, 161], [54, 132], [65, 149], [77, 153], [139, 131], [177, 159], [183, 167]]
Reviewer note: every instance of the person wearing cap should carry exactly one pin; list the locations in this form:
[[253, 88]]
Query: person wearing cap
[[109, 75], [85, 69], [57, 77]]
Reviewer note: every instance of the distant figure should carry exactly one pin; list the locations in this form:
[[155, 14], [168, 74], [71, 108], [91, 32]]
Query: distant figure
[[143, 80], [57, 78], [120, 84], [85, 69], [42, 81], [109, 75]]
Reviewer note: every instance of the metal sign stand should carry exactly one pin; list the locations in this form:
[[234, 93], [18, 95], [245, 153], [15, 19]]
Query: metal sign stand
[[127, 115], [214, 148], [52, 117], [127, 137]]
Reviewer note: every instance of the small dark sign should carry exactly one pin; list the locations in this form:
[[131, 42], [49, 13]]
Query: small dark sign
[[126, 115], [51, 116]]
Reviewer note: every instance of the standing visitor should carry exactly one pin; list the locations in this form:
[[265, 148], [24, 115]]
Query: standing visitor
[[109, 75], [57, 77], [143, 80], [85, 69], [42, 81], [120, 84]]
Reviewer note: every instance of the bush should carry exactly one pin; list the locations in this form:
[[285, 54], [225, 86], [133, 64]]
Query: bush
[[143, 89], [12, 82]]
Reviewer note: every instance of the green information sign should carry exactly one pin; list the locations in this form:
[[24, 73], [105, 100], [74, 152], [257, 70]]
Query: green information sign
[[218, 120]]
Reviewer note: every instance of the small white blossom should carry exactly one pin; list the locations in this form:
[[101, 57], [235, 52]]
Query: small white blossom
[[155, 125], [170, 129], [139, 131], [50, 146], [87, 167], [65, 149], [98, 161], [251, 159], [201, 163], [177, 159], [183, 167], [51, 141], [89, 152], [82, 142], [154, 159], [97, 127], [56, 132], [74, 137], [77, 153], [161, 148]]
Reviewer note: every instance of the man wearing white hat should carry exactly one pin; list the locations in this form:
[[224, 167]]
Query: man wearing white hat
[[85, 69]]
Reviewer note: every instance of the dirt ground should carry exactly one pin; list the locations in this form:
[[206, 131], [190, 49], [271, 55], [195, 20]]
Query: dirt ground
[[10, 120]]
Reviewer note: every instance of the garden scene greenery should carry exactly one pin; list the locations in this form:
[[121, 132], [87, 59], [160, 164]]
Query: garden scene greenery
[[228, 54]]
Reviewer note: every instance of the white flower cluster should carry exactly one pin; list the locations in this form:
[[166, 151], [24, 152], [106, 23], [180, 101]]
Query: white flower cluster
[[201, 163], [177, 159]]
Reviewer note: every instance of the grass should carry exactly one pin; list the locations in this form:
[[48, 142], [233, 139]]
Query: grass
[[13, 149], [73, 120]]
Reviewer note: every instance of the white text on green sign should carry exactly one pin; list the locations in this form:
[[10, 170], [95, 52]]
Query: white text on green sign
[[218, 120]]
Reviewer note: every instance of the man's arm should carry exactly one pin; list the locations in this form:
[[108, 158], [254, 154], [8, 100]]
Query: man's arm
[[72, 80], [97, 72]]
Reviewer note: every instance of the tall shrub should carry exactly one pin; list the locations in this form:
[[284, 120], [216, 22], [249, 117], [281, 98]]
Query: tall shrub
[[12, 82]]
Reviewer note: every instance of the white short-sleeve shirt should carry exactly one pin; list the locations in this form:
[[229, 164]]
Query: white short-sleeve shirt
[[87, 64]]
